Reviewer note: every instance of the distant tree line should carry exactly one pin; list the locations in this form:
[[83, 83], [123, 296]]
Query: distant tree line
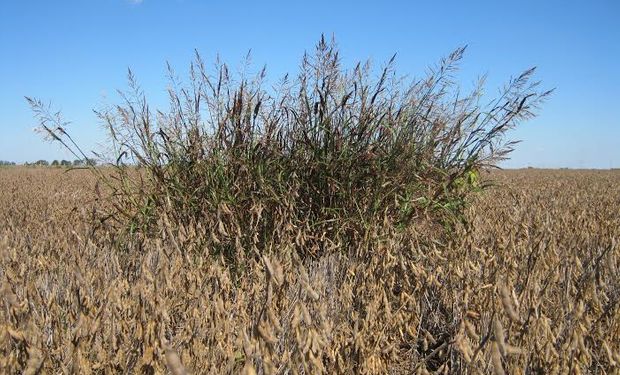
[[63, 163], [5, 163]]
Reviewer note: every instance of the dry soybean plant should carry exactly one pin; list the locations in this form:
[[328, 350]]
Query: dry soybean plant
[[529, 286]]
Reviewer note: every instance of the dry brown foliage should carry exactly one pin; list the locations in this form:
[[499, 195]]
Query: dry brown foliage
[[529, 286]]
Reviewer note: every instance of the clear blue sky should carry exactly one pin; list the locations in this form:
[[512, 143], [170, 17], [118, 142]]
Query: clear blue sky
[[73, 53]]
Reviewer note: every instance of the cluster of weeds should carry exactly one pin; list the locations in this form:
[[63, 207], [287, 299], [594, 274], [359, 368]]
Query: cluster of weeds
[[331, 150]]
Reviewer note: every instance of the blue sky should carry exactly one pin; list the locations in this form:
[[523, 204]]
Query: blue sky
[[75, 53]]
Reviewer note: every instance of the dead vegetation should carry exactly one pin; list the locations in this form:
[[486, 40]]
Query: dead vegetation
[[528, 286]]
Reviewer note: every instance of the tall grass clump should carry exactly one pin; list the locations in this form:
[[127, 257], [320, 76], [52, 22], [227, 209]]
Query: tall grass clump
[[328, 153]]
